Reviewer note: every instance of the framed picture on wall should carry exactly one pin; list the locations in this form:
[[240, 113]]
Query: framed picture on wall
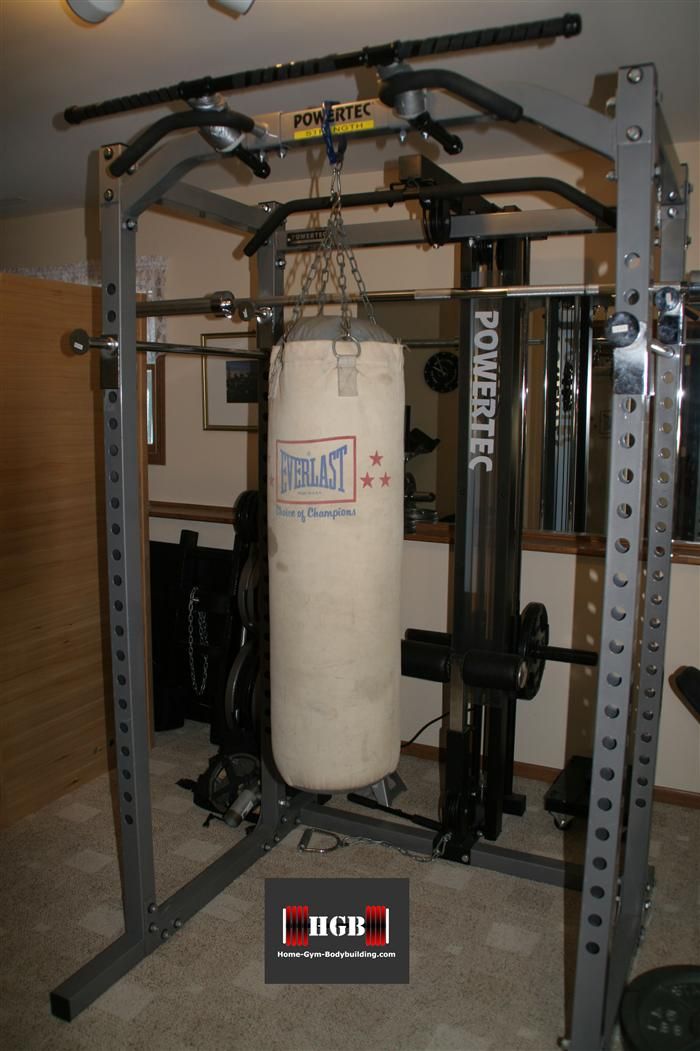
[[230, 382]]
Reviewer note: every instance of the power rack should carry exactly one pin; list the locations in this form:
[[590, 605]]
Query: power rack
[[492, 656]]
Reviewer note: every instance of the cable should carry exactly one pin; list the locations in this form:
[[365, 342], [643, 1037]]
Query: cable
[[425, 727]]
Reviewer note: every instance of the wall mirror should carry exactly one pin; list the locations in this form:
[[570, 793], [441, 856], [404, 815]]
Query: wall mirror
[[569, 383]]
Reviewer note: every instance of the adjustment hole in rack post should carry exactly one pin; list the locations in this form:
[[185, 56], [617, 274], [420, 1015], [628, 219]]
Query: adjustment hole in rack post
[[628, 406], [618, 613], [622, 545], [627, 440]]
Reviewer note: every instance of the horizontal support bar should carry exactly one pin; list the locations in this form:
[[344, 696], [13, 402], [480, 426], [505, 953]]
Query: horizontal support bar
[[450, 192], [187, 348], [203, 204], [219, 303], [96, 976], [538, 223], [527, 866]]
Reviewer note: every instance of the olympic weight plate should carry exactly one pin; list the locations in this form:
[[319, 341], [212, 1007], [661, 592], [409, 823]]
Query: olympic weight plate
[[534, 636], [660, 1010]]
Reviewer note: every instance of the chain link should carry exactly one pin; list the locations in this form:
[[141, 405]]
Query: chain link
[[202, 640], [334, 242], [348, 841]]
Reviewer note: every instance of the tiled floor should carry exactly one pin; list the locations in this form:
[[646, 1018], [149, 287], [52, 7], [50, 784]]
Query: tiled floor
[[491, 956]]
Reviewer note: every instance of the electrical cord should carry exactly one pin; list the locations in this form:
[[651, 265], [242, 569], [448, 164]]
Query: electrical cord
[[416, 735]]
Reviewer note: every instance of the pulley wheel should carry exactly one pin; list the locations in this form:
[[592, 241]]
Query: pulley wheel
[[227, 773]]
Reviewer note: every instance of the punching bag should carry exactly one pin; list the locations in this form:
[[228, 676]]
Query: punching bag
[[335, 518]]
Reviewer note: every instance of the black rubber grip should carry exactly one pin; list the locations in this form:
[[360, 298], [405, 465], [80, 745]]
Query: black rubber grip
[[257, 164], [175, 122], [456, 84], [380, 55], [436, 638], [421, 660], [688, 682], [452, 144], [453, 191]]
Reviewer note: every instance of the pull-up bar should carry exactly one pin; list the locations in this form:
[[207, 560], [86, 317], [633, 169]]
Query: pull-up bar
[[369, 57]]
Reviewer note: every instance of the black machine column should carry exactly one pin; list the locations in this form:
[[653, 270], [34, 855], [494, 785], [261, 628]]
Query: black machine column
[[486, 591]]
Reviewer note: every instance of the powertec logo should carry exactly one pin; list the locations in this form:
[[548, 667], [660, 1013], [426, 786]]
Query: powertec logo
[[335, 936], [346, 119], [484, 404], [298, 925], [316, 471]]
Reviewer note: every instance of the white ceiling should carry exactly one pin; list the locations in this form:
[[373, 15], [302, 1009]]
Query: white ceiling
[[50, 60]]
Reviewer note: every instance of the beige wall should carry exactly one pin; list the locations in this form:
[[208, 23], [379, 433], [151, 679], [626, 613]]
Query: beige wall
[[213, 467]]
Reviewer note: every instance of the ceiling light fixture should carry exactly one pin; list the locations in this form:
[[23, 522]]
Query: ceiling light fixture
[[94, 11]]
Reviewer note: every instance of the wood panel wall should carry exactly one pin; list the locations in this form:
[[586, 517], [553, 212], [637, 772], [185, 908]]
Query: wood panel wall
[[55, 694]]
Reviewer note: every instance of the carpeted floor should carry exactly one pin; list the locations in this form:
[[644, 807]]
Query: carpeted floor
[[491, 955]]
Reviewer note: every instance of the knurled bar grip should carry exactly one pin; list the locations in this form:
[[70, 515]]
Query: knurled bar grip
[[453, 191], [456, 84], [382, 55], [190, 119]]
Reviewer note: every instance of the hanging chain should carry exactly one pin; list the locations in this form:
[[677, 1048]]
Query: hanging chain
[[335, 241], [202, 640]]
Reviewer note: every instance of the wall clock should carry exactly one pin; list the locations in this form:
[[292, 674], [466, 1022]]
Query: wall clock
[[441, 371]]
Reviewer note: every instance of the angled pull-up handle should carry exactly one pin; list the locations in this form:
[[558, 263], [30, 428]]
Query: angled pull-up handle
[[453, 191], [175, 122], [368, 57], [456, 84]]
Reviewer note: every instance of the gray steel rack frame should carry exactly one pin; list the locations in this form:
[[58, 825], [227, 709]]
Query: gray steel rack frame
[[651, 209]]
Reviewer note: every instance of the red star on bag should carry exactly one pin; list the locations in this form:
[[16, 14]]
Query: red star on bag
[[367, 480], [376, 458], [385, 479]]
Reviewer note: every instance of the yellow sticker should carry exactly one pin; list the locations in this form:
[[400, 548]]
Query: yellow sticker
[[337, 129]]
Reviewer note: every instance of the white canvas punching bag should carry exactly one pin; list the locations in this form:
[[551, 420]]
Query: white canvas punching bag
[[335, 517]]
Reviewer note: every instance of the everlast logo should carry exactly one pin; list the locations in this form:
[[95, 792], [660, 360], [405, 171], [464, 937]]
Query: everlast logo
[[482, 433], [353, 111], [321, 470]]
